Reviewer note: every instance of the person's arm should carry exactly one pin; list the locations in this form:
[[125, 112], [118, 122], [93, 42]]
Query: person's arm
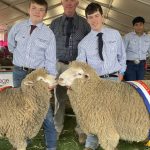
[[81, 53], [50, 55], [121, 55], [126, 41], [148, 52], [11, 39]]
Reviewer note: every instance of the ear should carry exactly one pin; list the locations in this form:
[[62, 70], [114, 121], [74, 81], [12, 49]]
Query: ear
[[103, 19], [40, 78], [77, 3], [29, 10], [28, 82]]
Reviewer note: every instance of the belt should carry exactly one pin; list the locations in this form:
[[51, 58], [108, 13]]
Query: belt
[[114, 74], [64, 62], [26, 69], [136, 61]]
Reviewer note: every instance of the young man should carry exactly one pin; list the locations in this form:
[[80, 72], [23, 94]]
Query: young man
[[103, 49], [69, 29], [33, 46], [137, 45]]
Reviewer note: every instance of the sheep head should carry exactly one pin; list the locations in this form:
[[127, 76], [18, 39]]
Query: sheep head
[[78, 71], [39, 75]]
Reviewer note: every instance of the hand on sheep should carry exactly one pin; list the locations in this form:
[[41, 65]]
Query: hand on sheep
[[120, 76], [51, 87]]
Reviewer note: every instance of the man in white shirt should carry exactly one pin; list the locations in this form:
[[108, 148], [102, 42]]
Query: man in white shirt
[[137, 45]]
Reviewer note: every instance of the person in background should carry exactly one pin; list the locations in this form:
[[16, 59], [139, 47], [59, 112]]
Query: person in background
[[33, 46], [102, 49], [137, 45], [69, 29]]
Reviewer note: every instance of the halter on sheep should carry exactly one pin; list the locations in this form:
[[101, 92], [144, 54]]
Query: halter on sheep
[[22, 110], [105, 107]]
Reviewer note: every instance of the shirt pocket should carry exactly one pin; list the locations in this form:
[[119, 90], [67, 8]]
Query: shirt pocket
[[78, 35], [133, 45], [41, 43], [20, 38], [111, 46]]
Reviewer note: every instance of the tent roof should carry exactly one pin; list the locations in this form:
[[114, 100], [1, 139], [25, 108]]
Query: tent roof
[[118, 13]]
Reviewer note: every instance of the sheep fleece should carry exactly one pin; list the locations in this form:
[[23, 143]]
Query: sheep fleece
[[22, 111], [109, 109]]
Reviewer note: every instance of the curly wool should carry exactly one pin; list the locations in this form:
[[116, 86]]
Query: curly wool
[[109, 109], [22, 110]]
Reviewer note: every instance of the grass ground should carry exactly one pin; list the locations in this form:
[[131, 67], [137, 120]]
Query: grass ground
[[68, 140]]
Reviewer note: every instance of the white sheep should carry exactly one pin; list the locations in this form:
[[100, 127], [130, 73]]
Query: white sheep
[[109, 109], [22, 110]]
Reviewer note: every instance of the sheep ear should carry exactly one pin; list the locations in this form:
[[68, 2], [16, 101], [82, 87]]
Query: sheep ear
[[87, 76], [28, 82]]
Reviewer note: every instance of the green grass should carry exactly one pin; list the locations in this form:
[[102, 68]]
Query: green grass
[[68, 140]]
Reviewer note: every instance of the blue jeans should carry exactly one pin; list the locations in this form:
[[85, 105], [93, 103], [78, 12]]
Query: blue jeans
[[48, 124], [135, 71], [92, 140]]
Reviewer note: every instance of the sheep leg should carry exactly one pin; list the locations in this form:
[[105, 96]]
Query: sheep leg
[[109, 139], [21, 148], [107, 134], [22, 145]]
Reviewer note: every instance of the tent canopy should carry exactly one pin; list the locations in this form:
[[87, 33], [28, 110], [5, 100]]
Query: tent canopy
[[118, 14]]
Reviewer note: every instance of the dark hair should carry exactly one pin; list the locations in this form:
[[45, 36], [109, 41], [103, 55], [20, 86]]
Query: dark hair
[[137, 20], [93, 7], [40, 2]]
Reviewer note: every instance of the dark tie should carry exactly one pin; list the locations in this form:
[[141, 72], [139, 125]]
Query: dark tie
[[32, 28], [100, 45], [68, 30]]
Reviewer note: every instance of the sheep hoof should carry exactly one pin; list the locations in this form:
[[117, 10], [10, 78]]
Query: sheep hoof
[[82, 138], [148, 144], [13, 149], [88, 149]]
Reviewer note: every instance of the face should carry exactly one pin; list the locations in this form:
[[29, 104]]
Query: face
[[48, 79], [139, 28], [95, 20], [70, 7], [37, 13], [68, 76]]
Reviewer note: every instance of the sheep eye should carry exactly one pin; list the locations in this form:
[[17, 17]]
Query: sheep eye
[[79, 74], [86, 76], [40, 79]]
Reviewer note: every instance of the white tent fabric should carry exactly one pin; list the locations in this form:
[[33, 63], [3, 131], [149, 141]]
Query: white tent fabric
[[118, 13]]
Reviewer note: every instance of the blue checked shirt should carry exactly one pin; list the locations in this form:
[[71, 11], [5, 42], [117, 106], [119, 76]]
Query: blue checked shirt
[[79, 30], [113, 52], [137, 47], [37, 50]]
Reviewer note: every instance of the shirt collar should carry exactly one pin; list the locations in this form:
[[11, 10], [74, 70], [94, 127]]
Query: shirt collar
[[75, 20], [141, 35], [39, 25], [96, 32]]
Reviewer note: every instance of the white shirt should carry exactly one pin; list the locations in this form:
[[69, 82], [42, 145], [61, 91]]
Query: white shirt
[[37, 50], [113, 52], [137, 47]]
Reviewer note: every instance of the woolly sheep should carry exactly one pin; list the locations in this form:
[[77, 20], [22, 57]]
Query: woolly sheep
[[109, 109], [22, 110]]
